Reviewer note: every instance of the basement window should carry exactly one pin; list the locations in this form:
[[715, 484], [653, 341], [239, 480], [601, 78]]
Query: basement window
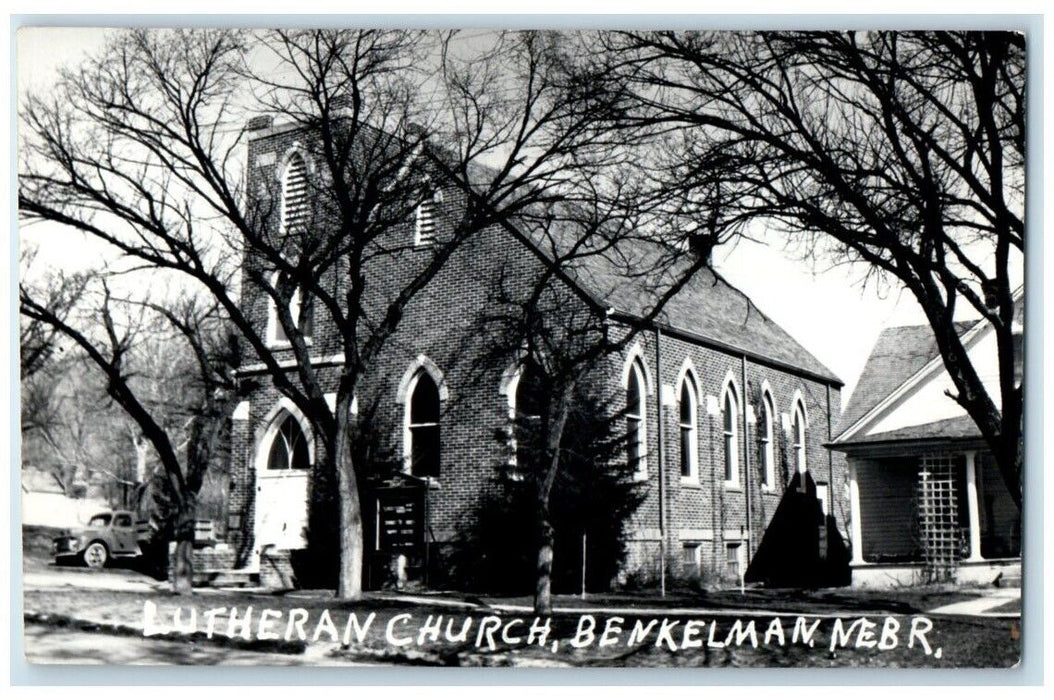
[[733, 559], [690, 559]]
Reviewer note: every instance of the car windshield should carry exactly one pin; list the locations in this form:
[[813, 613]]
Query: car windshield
[[100, 520]]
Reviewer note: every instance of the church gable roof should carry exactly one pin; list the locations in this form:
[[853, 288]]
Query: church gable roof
[[632, 276]]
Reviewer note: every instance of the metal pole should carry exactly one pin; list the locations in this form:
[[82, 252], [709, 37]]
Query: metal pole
[[830, 453], [662, 470], [583, 564], [427, 529], [748, 477]]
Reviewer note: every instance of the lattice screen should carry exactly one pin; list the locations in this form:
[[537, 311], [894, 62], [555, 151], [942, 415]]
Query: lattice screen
[[938, 514]]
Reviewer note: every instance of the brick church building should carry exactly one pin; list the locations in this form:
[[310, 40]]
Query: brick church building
[[725, 412]]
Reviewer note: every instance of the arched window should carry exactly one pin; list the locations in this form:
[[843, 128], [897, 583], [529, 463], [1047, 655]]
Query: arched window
[[422, 416], [767, 438], [531, 394], [636, 436], [689, 436], [529, 403], [425, 218], [289, 448], [731, 434], [299, 310], [798, 427], [295, 207]]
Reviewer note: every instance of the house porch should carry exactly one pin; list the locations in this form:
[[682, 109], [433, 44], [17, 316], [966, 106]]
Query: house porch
[[936, 514]]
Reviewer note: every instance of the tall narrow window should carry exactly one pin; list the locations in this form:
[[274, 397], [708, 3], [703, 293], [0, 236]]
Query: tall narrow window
[[528, 395], [687, 423], [767, 439], [530, 403], [423, 426], [798, 435], [289, 446], [295, 207], [299, 310], [635, 426], [731, 433], [531, 392]]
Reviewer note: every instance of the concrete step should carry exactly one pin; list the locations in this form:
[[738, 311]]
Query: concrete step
[[233, 579]]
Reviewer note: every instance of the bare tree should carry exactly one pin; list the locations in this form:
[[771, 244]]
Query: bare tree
[[64, 431], [904, 151], [38, 341], [107, 330], [140, 149], [68, 430], [557, 323]]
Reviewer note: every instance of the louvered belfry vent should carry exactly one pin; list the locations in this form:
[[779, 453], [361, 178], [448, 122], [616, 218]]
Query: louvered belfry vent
[[294, 195], [426, 224]]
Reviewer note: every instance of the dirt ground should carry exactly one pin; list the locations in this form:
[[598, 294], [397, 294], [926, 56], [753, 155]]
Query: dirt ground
[[47, 644]]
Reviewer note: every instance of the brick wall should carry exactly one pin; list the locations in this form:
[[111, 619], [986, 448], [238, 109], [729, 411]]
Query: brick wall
[[705, 511], [206, 561]]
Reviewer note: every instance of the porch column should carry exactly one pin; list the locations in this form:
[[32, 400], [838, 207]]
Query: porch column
[[854, 516], [973, 514]]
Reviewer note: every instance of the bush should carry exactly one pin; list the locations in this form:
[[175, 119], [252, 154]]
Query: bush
[[593, 495]]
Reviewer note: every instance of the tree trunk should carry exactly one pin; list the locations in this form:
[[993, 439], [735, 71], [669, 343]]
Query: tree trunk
[[142, 450], [349, 586], [144, 500], [972, 395], [543, 588], [183, 563]]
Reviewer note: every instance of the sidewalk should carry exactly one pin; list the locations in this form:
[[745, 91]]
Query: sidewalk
[[91, 580], [982, 607]]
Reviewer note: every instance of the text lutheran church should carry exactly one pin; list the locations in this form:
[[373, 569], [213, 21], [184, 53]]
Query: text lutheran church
[[725, 415]]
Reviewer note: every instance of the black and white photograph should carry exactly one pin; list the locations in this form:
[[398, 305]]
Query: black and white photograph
[[521, 348]]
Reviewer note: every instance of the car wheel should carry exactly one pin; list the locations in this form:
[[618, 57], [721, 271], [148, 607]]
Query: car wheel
[[95, 555]]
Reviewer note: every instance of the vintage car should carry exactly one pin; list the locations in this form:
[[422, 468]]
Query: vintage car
[[109, 534]]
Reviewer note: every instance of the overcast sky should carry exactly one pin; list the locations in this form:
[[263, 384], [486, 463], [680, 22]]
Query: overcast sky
[[823, 306]]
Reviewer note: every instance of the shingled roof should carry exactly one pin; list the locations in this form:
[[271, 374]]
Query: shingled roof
[[633, 276], [898, 354], [958, 427]]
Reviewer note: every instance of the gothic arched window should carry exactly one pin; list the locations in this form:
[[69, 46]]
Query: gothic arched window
[[798, 428], [636, 435], [529, 405], [289, 449], [687, 423], [767, 439], [731, 435], [422, 417]]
